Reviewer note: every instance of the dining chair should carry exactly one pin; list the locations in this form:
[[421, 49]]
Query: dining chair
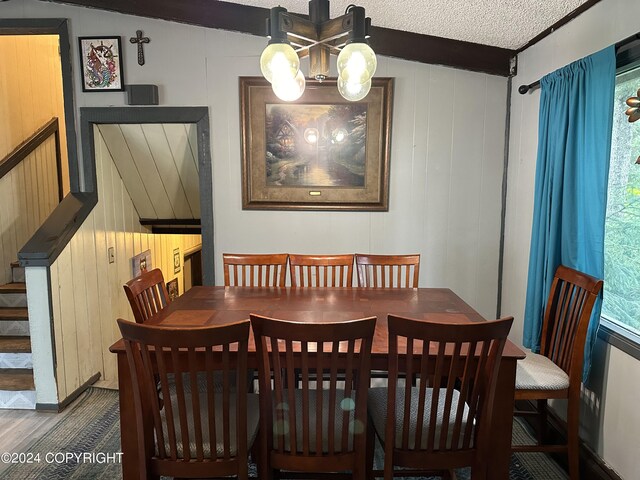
[[306, 429], [321, 270], [556, 372], [147, 294], [254, 270], [444, 421], [388, 271], [184, 432]]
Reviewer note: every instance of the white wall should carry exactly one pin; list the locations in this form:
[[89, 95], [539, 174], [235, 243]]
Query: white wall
[[610, 417], [87, 294], [446, 152]]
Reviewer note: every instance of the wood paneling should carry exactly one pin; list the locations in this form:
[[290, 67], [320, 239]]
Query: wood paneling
[[159, 168], [429, 154], [445, 184], [30, 91], [30, 95], [609, 413], [87, 294], [28, 194]]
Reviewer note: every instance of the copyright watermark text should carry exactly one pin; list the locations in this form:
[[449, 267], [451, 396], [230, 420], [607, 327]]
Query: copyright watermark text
[[61, 457]]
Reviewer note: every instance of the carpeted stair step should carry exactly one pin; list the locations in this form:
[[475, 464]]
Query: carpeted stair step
[[14, 287], [15, 344], [13, 295], [16, 379], [14, 321], [17, 272]]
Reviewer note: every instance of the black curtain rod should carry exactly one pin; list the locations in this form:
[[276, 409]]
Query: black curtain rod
[[622, 43]]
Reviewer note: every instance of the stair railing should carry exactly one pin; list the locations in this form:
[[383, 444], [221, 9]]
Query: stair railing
[[27, 147]]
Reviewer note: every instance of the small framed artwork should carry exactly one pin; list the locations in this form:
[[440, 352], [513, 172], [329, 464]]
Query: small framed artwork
[[176, 260], [321, 152], [101, 64], [141, 263], [172, 289]]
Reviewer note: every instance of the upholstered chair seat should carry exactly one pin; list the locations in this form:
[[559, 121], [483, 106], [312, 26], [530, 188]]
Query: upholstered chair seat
[[537, 372], [344, 407], [377, 406], [253, 418]]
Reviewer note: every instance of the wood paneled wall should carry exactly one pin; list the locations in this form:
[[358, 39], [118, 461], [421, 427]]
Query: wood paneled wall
[[158, 164], [609, 416], [87, 294], [28, 194], [30, 91], [446, 166], [447, 153]]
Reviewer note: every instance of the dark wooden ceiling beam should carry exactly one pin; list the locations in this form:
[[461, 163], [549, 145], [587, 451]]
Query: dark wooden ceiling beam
[[251, 20]]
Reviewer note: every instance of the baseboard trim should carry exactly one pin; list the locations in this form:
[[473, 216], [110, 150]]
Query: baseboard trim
[[58, 407], [592, 467]]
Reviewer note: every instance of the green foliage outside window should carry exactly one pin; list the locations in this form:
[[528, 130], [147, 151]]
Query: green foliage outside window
[[622, 231]]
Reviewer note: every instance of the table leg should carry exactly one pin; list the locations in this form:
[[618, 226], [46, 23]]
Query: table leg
[[128, 432], [500, 453]]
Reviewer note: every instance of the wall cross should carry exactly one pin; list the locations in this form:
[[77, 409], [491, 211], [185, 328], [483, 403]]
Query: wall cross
[[140, 40]]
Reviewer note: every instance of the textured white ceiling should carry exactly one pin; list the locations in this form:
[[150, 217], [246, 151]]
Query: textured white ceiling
[[501, 23]]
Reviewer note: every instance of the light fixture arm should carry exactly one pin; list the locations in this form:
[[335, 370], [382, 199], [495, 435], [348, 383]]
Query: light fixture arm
[[317, 35], [292, 37]]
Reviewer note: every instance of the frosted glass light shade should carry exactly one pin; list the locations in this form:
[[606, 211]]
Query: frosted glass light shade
[[357, 63], [289, 89], [353, 91], [279, 60]]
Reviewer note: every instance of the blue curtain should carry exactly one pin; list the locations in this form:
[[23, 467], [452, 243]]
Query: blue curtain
[[574, 143]]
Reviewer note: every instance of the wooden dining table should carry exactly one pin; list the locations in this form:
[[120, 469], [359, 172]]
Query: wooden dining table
[[202, 306]]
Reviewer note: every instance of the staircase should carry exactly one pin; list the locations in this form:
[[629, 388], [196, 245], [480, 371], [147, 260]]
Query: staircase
[[17, 389]]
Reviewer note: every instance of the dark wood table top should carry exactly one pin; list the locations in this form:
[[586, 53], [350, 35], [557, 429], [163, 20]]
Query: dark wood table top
[[201, 306]]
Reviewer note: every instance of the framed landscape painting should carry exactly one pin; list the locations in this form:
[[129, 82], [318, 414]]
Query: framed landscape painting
[[321, 152], [101, 64]]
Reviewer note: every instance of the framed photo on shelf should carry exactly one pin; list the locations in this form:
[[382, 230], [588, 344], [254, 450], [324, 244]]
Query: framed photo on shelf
[[101, 64], [320, 152], [141, 263], [172, 289]]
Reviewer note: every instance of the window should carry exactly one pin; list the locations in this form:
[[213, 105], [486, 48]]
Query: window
[[621, 305]]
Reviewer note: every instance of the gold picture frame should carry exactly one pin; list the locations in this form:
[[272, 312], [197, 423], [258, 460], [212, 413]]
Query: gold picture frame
[[321, 152]]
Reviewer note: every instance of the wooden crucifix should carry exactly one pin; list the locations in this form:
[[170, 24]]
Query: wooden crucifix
[[139, 39]]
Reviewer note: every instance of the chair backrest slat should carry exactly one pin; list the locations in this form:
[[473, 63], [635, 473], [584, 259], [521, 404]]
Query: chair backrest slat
[[388, 271], [321, 421], [321, 270], [455, 367], [254, 270], [566, 320], [147, 294], [166, 365]]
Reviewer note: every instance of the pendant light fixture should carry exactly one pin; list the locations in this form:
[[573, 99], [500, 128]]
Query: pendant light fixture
[[292, 37]]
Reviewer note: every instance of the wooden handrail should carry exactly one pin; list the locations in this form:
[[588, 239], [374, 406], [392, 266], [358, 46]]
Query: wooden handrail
[[27, 147]]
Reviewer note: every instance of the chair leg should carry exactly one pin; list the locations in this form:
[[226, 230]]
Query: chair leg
[[478, 473], [573, 426], [262, 460], [371, 445], [388, 462], [542, 420]]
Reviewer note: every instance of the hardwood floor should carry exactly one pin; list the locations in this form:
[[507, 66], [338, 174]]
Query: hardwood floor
[[20, 428]]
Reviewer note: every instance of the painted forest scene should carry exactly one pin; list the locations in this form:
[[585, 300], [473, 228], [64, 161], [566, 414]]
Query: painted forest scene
[[316, 145]]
